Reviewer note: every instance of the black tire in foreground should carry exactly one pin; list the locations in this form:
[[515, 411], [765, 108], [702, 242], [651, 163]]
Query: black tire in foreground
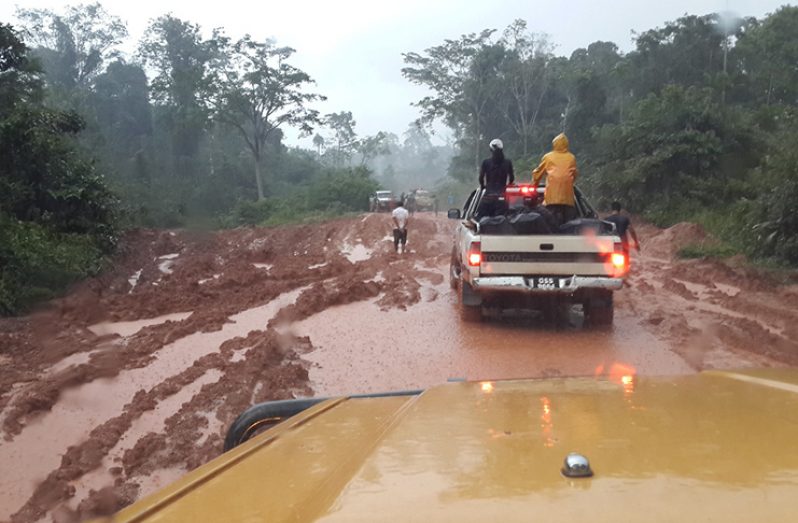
[[263, 416]]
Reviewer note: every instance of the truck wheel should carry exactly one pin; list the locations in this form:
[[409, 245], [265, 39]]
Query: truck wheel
[[454, 271], [599, 309], [470, 313]]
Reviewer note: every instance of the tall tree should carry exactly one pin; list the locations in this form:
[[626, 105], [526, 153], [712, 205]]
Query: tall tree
[[180, 58], [75, 44], [461, 84], [258, 92], [524, 77], [344, 137]]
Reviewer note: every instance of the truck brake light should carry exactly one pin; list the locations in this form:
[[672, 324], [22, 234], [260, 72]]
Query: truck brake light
[[475, 254], [619, 259]]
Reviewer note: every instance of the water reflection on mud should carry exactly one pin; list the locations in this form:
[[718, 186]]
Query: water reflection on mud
[[363, 349]]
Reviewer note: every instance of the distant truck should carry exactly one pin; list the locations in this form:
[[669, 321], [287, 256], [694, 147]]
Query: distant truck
[[516, 261], [421, 200], [382, 201]]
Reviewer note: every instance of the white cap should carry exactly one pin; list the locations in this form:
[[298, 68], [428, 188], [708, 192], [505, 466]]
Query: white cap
[[496, 144]]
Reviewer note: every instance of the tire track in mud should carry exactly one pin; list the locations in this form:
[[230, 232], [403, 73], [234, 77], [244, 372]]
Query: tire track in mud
[[346, 311]]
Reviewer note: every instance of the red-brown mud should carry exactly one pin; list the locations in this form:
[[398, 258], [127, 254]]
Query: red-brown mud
[[132, 378]]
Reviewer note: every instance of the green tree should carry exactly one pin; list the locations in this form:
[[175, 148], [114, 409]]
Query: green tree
[[182, 86], [74, 45], [344, 137], [764, 50], [461, 85], [57, 217], [258, 92]]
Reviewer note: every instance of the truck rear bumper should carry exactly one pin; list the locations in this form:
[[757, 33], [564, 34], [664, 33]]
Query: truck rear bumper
[[558, 284]]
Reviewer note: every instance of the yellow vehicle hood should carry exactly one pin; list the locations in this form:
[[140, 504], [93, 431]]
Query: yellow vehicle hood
[[717, 446]]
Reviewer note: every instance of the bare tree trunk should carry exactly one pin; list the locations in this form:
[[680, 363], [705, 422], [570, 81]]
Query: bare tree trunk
[[257, 178]]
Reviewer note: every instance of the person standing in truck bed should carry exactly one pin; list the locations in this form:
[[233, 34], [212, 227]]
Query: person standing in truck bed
[[559, 166], [495, 174], [624, 227]]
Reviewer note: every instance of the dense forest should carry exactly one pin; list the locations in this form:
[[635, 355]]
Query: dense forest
[[697, 122]]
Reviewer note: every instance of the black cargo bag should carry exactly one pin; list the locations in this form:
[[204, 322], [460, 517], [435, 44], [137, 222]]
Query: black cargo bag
[[530, 223], [495, 225], [587, 226]]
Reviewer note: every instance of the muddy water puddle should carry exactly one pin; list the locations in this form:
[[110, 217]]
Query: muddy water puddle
[[81, 409], [361, 349], [356, 253], [150, 421], [129, 328]]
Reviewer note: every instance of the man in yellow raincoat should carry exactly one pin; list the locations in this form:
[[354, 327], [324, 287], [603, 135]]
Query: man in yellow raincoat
[[559, 166]]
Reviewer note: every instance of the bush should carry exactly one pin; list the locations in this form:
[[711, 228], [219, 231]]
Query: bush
[[706, 251], [36, 264], [333, 194]]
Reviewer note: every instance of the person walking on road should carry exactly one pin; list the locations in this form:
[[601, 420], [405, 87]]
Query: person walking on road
[[624, 227], [495, 174], [559, 166], [400, 217]]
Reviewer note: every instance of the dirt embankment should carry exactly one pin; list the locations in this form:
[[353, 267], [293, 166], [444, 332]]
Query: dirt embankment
[[132, 378]]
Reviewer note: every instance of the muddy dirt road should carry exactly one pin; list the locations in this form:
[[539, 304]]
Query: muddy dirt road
[[132, 379]]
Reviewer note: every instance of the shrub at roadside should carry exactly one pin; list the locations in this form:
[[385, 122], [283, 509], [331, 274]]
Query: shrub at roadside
[[35, 263], [57, 217], [330, 195]]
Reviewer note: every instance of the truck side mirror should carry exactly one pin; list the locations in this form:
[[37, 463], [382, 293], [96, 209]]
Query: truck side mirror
[[453, 214]]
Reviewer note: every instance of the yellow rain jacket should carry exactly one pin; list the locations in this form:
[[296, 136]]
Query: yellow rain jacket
[[559, 166]]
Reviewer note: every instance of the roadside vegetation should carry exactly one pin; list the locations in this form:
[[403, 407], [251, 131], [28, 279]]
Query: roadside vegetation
[[697, 123]]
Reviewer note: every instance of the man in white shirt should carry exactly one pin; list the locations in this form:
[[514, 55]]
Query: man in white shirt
[[400, 217]]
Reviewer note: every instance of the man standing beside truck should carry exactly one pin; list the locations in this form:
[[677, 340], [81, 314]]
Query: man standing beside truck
[[495, 174], [624, 227], [559, 166]]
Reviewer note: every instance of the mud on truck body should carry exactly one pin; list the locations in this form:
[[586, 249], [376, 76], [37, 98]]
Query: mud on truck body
[[512, 262]]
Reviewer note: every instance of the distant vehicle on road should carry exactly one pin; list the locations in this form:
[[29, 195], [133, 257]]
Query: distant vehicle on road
[[518, 259], [382, 201], [421, 200]]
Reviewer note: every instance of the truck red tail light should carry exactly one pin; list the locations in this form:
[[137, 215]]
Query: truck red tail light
[[475, 254], [619, 260]]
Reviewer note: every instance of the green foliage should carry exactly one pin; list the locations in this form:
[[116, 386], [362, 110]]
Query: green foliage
[[678, 146], [333, 194], [773, 219], [706, 251], [36, 263], [57, 218]]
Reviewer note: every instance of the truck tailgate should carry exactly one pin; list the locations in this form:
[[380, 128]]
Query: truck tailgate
[[547, 255]]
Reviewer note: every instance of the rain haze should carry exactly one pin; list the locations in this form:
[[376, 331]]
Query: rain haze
[[216, 215], [353, 48]]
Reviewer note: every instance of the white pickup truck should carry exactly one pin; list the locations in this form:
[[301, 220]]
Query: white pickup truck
[[517, 261]]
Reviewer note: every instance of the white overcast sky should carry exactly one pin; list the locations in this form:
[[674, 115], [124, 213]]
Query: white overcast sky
[[353, 48]]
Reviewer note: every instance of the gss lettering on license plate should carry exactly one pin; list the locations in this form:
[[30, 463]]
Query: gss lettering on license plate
[[546, 283]]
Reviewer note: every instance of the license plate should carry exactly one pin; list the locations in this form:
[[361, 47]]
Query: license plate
[[545, 283]]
